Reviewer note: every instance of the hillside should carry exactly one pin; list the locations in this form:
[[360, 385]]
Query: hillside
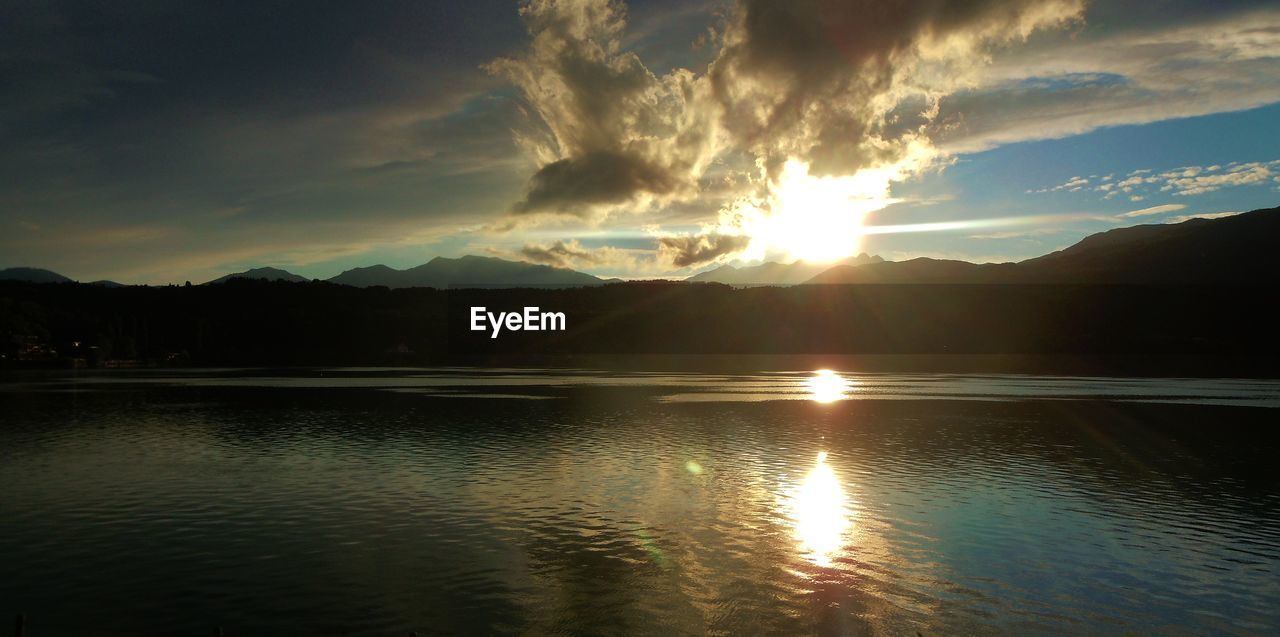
[[263, 274], [1230, 250], [1236, 249], [32, 275]]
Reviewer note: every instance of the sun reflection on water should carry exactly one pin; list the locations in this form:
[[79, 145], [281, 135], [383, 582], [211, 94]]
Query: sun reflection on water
[[818, 507], [826, 386]]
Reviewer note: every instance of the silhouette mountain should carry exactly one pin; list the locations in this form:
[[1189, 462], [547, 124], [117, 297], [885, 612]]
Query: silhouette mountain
[[368, 276], [263, 274], [1236, 249], [40, 275], [773, 273], [467, 271], [32, 275]]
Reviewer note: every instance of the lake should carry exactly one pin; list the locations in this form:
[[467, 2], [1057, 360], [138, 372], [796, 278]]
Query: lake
[[504, 501]]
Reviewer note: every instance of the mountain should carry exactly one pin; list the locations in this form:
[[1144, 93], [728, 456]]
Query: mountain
[[32, 275], [369, 276], [1233, 250], [467, 271], [264, 274], [40, 275], [772, 273]]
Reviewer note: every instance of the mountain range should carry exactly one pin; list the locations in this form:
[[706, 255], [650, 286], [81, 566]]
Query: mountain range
[[1235, 249], [440, 272]]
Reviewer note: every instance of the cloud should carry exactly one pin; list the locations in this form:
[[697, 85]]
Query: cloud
[[1196, 180], [572, 254], [839, 86], [846, 85], [1133, 73], [670, 251], [600, 177], [685, 251], [654, 252], [1154, 210], [560, 254], [605, 129], [1075, 184], [1179, 182]]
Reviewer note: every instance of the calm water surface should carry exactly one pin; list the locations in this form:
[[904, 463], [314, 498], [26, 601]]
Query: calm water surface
[[378, 502]]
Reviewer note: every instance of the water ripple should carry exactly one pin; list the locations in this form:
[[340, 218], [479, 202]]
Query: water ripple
[[167, 504]]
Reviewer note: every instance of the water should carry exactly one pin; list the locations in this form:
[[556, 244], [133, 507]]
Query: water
[[454, 501]]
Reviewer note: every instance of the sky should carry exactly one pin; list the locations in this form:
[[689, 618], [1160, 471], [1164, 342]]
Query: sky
[[157, 142]]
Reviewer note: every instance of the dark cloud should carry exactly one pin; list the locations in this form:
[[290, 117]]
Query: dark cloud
[[268, 55], [815, 39], [845, 84], [600, 177], [150, 89], [560, 254], [599, 258], [695, 250]]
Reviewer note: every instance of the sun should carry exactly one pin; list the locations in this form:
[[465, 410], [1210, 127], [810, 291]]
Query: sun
[[818, 219]]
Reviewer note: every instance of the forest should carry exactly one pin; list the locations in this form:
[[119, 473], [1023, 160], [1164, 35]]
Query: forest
[[261, 323]]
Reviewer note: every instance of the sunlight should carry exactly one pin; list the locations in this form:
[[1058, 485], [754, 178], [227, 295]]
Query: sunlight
[[819, 219], [826, 386], [819, 510]]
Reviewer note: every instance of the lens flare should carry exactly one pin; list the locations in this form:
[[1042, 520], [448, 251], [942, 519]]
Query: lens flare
[[819, 512]]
